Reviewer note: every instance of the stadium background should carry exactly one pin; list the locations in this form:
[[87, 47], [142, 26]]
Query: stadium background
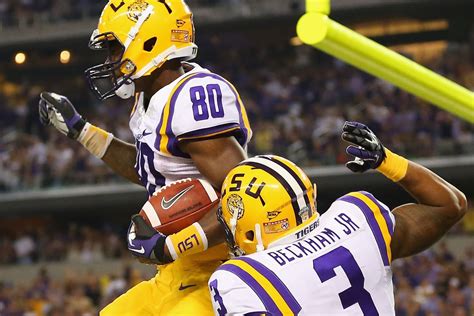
[[63, 214]]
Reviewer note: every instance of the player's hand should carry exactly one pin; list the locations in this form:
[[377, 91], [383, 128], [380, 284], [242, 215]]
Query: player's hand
[[145, 242], [57, 110], [368, 151]]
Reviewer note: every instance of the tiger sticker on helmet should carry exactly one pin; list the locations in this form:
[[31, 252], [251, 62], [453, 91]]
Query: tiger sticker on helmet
[[235, 204], [135, 10]]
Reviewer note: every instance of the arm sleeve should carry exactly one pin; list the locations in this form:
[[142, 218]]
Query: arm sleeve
[[227, 291]]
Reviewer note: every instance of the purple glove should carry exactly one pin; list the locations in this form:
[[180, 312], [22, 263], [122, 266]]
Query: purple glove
[[57, 110], [145, 242], [368, 151]]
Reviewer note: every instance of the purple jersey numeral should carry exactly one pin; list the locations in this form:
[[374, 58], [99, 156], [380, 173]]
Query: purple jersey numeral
[[146, 157], [356, 294], [201, 107], [221, 310]]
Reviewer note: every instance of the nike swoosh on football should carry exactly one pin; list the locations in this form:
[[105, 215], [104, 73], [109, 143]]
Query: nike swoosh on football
[[184, 287], [166, 204], [140, 251]]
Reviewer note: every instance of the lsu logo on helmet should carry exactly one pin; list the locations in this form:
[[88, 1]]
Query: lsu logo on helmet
[[264, 199]]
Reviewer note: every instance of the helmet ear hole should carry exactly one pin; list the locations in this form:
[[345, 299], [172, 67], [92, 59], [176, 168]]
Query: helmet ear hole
[[149, 44], [250, 235]]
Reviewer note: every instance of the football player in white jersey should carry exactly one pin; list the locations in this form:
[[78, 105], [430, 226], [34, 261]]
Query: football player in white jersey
[[299, 263], [187, 122]]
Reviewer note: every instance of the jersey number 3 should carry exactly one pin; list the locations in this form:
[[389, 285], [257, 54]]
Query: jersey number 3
[[356, 294], [205, 101]]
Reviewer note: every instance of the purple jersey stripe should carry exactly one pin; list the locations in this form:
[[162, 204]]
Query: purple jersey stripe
[[255, 286], [385, 212], [209, 132], [370, 217], [276, 282], [172, 141]]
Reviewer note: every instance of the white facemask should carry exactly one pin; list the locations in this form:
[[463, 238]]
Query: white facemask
[[126, 90]]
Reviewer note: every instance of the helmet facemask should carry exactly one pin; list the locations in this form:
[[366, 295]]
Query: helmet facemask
[[229, 235], [105, 79]]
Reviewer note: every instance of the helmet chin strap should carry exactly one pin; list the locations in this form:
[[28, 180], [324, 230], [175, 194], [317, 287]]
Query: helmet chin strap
[[233, 223], [126, 90], [258, 236]]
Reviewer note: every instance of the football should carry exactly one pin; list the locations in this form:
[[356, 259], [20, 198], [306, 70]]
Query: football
[[179, 204]]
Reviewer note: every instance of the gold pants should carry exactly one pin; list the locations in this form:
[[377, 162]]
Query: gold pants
[[179, 288]]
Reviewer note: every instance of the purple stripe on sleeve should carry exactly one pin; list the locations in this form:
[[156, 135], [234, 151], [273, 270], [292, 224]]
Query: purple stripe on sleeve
[[370, 217], [255, 286], [158, 129], [276, 282], [209, 131], [385, 212], [172, 141]]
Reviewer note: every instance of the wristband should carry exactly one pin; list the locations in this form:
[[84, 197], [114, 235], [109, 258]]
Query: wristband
[[394, 166], [95, 140], [188, 241]]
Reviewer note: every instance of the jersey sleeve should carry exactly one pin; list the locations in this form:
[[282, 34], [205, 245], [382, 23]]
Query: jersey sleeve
[[227, 290], [264, 292], [204, 105], [378, 217]]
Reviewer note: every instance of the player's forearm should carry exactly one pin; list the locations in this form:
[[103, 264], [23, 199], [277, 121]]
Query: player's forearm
[[419, 226], [200, 236], [212, 228], [121, 157], [431, 190]]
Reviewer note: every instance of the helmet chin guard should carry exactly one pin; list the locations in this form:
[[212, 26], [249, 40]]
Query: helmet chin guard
[[126, 89]]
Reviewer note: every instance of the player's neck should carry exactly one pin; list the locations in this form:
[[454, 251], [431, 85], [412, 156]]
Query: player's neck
[[168, 73]]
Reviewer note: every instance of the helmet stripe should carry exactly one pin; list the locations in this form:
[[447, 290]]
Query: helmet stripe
[[289, 177], [290, 188], [290, 171]]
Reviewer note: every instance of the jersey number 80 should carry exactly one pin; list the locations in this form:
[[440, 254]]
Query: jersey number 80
[[206, 100]]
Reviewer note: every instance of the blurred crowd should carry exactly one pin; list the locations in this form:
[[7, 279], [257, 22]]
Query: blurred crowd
[[73, 295], [24, 13], [72, 243], [435, 283], [30, 13], [297, 100]]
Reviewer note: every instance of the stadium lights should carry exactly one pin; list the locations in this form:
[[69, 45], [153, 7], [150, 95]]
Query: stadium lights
[[20, 58], [65, 57], [295, 41]]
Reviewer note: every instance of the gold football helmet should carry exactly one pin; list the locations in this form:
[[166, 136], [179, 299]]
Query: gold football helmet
[[266, 200], [139, 36]]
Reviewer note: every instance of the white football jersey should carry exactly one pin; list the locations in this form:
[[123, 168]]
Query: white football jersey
[[199, 104], [340, 267]]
